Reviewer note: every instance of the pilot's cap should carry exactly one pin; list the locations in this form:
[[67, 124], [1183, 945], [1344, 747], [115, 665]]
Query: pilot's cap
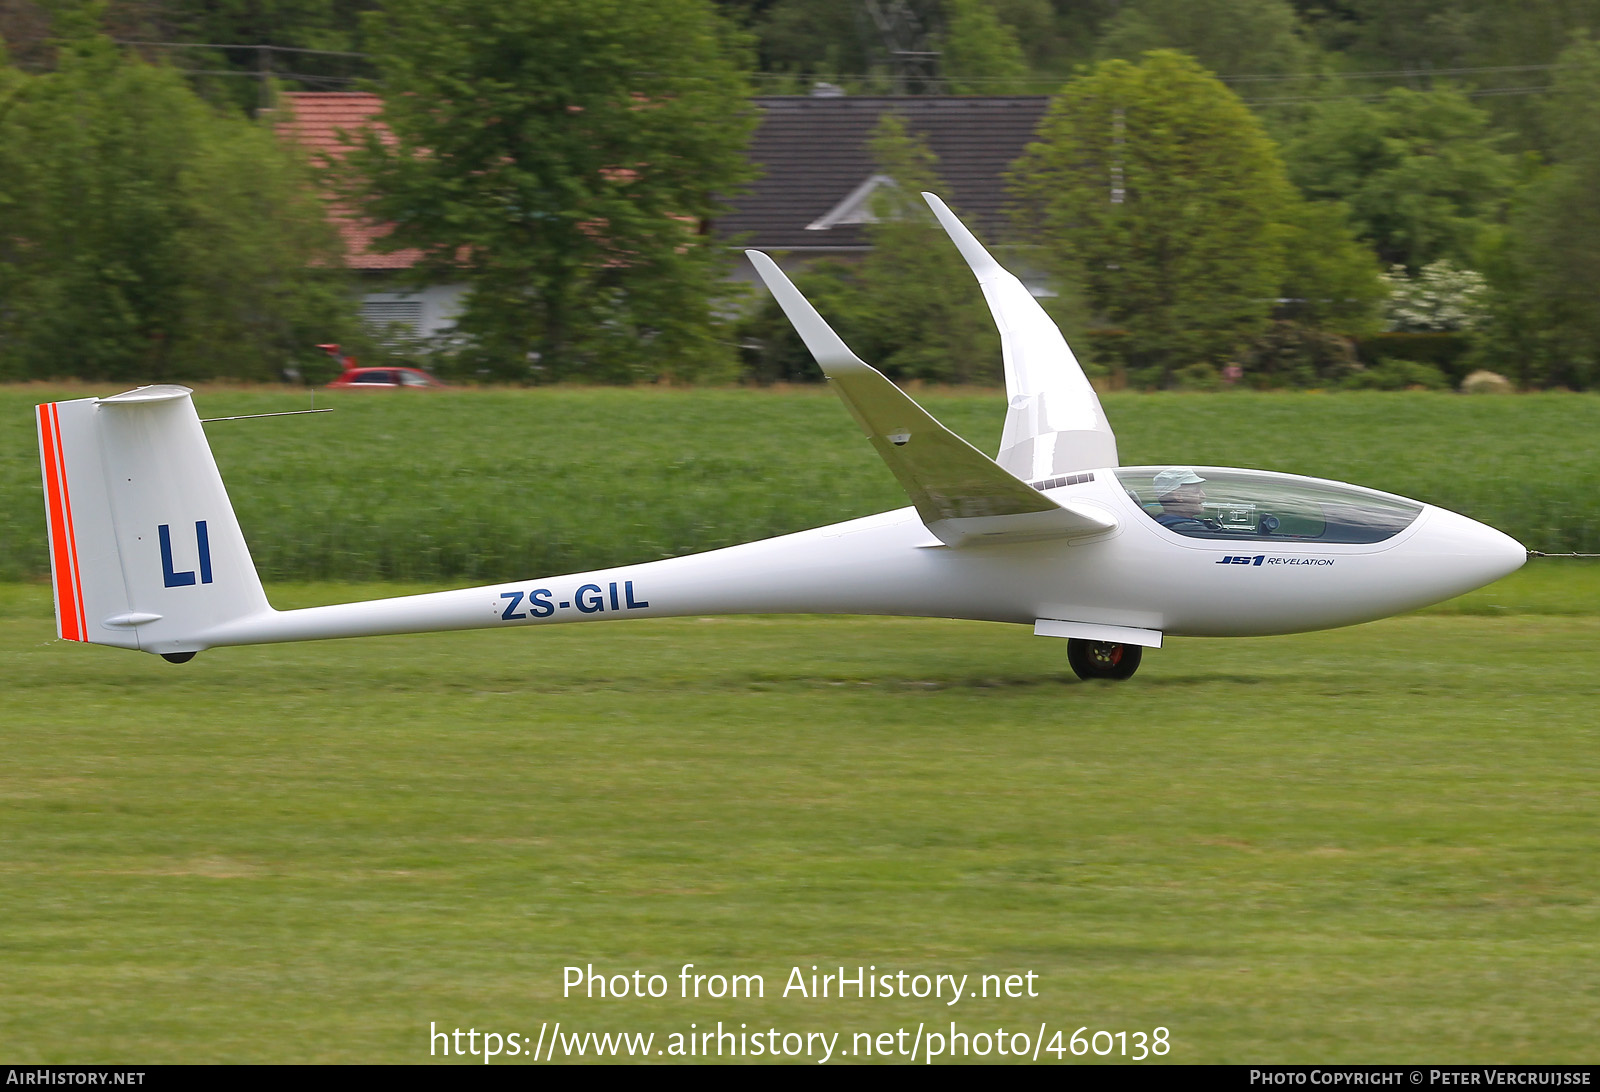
[[1174, 476]]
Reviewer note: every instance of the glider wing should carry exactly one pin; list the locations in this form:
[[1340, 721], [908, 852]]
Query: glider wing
[[1054, 422], [960, 493]]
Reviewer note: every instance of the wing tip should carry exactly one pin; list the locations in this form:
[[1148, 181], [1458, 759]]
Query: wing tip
[[972, 251], [832, 355]]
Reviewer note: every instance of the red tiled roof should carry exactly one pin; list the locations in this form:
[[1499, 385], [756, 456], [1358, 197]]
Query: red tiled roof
[[323, 122]]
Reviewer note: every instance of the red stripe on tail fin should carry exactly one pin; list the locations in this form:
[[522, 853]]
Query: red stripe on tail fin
[[72, 530], [69, 612]]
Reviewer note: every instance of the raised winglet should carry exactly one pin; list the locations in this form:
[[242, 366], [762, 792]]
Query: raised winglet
[[960, 493], [1054, 422]]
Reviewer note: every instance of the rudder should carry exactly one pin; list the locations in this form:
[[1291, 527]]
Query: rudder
[[145, 550]]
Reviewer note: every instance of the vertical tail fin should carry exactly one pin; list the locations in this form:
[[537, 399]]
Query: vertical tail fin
[[145, 551]]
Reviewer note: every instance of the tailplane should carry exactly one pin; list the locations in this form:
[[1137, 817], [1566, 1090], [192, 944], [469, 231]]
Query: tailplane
[[145, 551]]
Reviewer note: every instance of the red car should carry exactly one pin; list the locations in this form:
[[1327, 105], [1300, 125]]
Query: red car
[[356, 377], [367, 379]]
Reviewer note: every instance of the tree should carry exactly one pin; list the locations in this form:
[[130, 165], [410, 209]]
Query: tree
[[145, 236], [1421, 172], [226, 39], [1331, 281], [979, 53], [1545, 327], [816, 38], [1155, 188], [560, 158], [926, 314], [1233, 37], [911, 308]]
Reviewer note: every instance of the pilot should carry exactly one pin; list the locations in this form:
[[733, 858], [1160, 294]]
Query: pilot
[[1178, 488]]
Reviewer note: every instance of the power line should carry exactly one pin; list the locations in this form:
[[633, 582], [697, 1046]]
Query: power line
[[1471, 93], [1260, 77], [1397, 73], [213, 45], [1051, 82], [257, 75]]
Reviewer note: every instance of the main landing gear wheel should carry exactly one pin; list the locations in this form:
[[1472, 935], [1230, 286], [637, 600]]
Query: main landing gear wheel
[[1103, 659]]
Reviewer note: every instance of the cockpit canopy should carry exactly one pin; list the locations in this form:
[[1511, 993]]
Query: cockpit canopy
[[1255, 505]]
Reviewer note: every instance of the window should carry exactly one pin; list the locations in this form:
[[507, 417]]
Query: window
[[1258, 506], [402, 318]]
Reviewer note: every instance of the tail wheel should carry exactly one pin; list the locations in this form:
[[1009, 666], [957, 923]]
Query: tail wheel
[[1103, 659]]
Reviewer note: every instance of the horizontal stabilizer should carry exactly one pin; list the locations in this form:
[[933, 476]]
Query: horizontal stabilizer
[[960, 493]]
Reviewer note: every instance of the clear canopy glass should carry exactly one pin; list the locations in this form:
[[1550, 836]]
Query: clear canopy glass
[[1259, 506]]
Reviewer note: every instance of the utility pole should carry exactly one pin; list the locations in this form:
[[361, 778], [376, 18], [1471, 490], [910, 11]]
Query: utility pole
[[264, 74], [912, 64]]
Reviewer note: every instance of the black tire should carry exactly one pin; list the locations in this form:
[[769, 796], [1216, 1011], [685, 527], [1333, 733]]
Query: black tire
[[1103, 659]]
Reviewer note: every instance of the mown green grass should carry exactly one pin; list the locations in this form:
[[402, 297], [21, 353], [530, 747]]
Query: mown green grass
[[502, 484], [1371, 844], [1374, 844]]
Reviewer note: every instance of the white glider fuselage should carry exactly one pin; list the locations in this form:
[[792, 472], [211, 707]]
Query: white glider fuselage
[[1139, 576], [146, 552]]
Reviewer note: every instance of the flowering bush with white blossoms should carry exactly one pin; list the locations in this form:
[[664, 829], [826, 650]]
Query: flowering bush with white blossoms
[[1442, 296]]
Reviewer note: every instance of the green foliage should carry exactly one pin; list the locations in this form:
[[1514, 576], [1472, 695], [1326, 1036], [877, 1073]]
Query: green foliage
[[1421, 172], [144, 236], [1049, 39], [980, 54], [912, 307], [1168, 200], [985, 46], [1289, 354], [1331, 281], [1197, 377], [1449, 352], [774, 353], [927, 313], [483, 485], [219, 44], [560, 158], [317, 24], [1546, 327], [1231, 37], [313, 26], [1491, 38], [815, 38], [1398, 375]]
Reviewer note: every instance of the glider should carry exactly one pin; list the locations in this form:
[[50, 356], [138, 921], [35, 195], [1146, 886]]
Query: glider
[[146, 552]]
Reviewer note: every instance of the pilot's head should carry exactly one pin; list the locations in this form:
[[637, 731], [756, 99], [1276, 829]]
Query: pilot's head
[[1178, 488]]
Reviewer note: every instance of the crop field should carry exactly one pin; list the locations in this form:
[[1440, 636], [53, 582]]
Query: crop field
[[1371, 844], [494, 485]]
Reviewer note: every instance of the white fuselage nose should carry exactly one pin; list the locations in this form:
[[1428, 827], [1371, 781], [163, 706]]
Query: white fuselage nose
[[1152, 577], [1141, 575]]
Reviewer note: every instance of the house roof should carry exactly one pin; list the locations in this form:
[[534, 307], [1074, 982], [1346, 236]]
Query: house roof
[[814, 154], [322, 122]]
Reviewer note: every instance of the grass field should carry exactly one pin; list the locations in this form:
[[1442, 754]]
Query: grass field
[[493, 485], [1374, 844]]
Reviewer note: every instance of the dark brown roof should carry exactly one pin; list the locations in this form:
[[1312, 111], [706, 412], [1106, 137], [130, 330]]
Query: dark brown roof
[[814, 154]]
